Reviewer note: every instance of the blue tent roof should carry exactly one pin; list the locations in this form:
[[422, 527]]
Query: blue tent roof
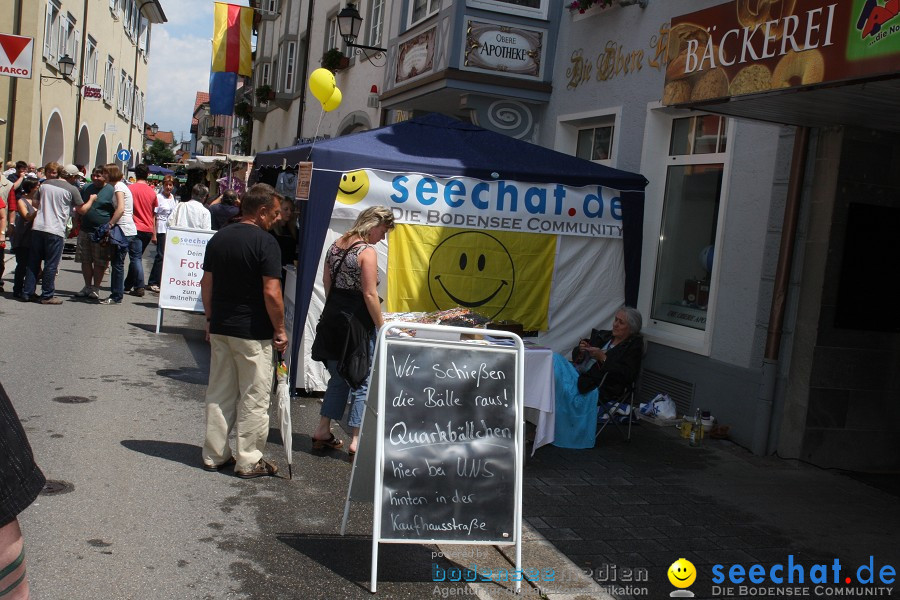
[[157, 170], [443, 147]]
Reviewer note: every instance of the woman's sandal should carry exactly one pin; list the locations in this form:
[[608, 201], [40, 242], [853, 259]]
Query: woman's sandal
[[331, 443]]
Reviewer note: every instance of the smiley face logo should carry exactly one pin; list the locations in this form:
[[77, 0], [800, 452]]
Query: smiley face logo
[[353, 187], [682, 573], [473, 270]]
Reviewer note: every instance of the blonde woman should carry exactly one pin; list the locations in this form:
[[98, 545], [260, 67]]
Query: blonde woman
[[350, 278], [124, 218]]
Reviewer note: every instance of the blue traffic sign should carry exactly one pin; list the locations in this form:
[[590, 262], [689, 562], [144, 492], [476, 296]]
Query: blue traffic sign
[[123, 155]]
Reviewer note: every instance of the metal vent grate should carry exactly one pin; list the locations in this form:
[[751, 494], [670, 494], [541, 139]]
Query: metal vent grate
[[653, 383]]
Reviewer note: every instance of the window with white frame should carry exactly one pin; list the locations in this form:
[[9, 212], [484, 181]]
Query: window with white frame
[[109, 81], [138, 107], [92, 61], [266, 73], [419, 10], [333, 39], [123, 91], [114, 8], [143, 35], [51, 26], [272, 5], [289, 66], [595, 143], [589, 135], [127, 12], [129, 96], [682, 283], [376, 22], [70, 41], [525, 8]]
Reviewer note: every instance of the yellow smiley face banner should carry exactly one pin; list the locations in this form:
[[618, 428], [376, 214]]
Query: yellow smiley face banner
[[497, 274]]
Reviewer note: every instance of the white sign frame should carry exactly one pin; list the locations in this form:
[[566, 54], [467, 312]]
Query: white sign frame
[[23, 62], [370, 454], [179, 266]]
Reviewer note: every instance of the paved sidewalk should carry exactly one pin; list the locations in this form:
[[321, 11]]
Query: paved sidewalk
[[622, 507]]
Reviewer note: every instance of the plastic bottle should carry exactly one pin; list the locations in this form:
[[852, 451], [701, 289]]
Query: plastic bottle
[[697, 429]]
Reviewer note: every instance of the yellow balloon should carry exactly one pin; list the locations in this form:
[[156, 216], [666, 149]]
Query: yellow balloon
[[322, 84], [333, 102]]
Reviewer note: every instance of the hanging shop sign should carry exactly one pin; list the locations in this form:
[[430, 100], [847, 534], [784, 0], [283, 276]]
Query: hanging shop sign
[[415, 56], [91, 92], [16, 55], [745, 47], [495, 47]]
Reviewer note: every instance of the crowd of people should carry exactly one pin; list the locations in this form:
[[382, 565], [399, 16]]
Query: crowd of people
[[40, 208]]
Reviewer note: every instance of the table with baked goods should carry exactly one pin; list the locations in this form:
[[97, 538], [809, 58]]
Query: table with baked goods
[[539, 394]]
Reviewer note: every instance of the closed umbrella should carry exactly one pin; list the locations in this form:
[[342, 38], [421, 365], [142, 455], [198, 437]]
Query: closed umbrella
[[282, 400]]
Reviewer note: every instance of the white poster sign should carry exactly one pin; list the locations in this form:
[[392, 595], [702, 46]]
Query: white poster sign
[[183, 269], [501, 205], [16, 55]]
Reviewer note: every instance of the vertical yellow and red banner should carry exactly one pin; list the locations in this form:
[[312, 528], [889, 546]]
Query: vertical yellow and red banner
[[232, 28]]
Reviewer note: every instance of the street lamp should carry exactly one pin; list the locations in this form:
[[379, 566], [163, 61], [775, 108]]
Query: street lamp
[[349, 23], [65, 65], [154, 129]]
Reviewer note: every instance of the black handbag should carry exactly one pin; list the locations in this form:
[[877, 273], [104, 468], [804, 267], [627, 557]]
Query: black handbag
[[342, 333]]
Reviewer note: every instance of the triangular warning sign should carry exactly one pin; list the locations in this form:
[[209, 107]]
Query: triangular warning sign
[[13, 45]]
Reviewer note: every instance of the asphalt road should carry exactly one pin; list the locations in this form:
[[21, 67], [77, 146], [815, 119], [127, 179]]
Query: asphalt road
[[143, 520]]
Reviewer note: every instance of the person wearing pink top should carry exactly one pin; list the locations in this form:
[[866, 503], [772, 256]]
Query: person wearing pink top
[[145, 203]]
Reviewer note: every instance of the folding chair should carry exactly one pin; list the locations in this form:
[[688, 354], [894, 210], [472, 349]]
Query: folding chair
[[613, 410]]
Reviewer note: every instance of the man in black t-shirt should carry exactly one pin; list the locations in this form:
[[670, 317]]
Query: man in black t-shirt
[[241, 290]]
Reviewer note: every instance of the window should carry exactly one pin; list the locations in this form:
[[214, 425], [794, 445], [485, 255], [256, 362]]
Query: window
[[691, 204], [143, 35], [420, 10], [123, 91], [266, 71], [91, 62], [114, 8], [272, 5], [590, 135], [109, 81], [126, 22], [51, 25], [333, 39], [138, 107], [289, 67], [526, 8], [376, 18], [129, 97], [595, 143]]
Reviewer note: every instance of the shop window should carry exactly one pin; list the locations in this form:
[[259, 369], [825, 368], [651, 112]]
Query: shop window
[[419, 10], [693, 190]]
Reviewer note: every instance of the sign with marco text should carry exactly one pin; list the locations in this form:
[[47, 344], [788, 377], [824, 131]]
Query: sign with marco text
[[183, 268], [16, 55], [90, 91], [418, 199]]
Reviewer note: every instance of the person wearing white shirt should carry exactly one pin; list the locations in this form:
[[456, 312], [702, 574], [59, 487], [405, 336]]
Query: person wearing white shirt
[[123, 217], [166, 204], [193, 214]]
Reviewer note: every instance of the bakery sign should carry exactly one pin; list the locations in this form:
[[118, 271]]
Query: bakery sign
[[750, 46], [494, 47]]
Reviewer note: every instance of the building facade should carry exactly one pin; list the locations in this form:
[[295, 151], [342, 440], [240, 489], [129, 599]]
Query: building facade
[[87, 117], [767, 188]]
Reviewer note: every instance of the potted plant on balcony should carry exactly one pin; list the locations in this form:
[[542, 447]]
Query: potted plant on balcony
[[583, 5], [334, 60], [243, 110], [264, 93]]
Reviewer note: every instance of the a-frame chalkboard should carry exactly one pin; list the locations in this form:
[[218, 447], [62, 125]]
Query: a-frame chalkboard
[[440, 453]]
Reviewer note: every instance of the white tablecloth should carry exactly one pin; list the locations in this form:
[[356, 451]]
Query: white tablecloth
[[540, 393]]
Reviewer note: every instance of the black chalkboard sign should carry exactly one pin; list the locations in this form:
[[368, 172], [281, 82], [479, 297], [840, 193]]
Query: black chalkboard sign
[[449, 442]]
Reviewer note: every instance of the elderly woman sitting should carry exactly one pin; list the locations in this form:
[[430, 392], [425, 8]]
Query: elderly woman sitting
[[611, 358]]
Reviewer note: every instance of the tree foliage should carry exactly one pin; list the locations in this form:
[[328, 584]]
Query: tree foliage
[[159, 154]]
